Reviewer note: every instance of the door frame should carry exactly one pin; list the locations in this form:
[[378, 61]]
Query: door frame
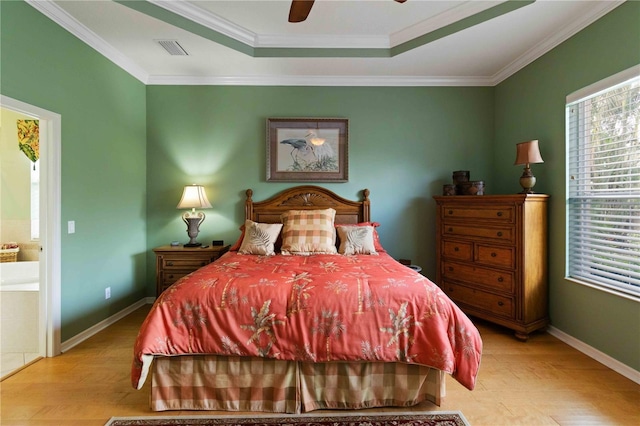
[[49, 327]]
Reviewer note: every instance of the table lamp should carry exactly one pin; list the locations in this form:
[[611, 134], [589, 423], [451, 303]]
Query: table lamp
[[193, 197], [527, 153]]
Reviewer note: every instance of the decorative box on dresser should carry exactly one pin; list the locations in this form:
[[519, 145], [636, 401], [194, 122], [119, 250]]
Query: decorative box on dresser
[[174, 262], [492, 257]]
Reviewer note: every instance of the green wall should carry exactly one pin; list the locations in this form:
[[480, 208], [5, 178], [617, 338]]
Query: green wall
[[404, 144], [127, 151], [103, 160], [531, 105]]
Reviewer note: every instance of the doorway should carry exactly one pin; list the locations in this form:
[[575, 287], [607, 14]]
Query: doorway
[[48, 299]]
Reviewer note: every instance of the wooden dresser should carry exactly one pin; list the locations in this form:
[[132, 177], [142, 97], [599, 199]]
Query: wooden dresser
[[492, 257], [174, 262]]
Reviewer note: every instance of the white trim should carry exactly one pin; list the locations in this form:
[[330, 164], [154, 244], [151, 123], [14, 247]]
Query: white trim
[[50, 197], [298, 80], [308, 41], [604, 288], [599, 10], [69, 23], [604, 84], [614, 364], [216, 23], [91, 331], [223, 26], [208, 19], [448, 17]]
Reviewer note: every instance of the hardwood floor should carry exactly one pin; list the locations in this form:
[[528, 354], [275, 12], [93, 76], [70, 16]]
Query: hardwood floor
[[540, 382]]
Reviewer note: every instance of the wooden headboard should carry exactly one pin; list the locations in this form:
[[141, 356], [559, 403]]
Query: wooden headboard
[[307, 197]]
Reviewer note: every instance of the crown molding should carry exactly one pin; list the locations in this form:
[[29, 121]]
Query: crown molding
[[69, 23], [322, 41], [214, 22], [552, 42], [441, 20], [296, 80], [218, 24], [208, 19]]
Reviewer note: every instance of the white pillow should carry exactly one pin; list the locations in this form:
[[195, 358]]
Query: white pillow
[[259, 238], [356, 240]]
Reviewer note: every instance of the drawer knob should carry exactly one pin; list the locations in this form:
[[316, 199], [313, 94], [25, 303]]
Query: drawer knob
[[493, 254], [450, 211], [456, 249], [500, 279], [171, 276], [170, 263], [499, 214], [450, 289], [499, 233], [501, 303], [450, 229], [203, 263], [450, 268]]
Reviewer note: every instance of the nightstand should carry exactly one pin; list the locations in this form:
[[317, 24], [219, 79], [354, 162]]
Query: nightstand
[[174, 262]]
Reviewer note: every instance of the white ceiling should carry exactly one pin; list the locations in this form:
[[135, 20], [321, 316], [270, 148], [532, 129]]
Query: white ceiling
[[417, 43]]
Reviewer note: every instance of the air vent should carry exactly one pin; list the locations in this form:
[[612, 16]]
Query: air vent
[[173, 47]]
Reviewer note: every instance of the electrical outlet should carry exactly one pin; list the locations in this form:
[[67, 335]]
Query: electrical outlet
[[107, 293]]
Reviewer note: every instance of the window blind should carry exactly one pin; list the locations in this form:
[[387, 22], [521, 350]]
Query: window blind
[[603, 133]]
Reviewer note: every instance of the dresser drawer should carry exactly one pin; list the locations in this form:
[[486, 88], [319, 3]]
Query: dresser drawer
[[457, 250], [477, 275], [495, 256], [498, 213], [167, 278], [182, 263], [504, 234], [493, 303]]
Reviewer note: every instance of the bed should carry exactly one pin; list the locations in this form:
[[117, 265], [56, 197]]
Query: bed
[[306, 311]]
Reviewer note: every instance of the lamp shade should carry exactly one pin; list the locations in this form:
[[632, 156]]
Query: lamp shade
[[194, 196], [528, 152]]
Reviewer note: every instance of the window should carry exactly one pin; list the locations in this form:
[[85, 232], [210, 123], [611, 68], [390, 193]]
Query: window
[[603, 133]]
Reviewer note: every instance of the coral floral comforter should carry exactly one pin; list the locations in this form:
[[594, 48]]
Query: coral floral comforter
[[310, 308]]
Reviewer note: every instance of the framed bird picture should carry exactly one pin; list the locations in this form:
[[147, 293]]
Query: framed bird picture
[[307, 149]]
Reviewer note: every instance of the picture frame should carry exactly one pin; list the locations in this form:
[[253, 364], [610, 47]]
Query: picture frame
[[307, 149]]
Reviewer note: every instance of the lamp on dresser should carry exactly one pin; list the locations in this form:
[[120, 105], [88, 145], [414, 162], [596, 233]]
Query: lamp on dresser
[[193, 197], [527, 153]]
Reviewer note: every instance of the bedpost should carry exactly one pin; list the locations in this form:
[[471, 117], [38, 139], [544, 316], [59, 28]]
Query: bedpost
[[366, 206], [248, 205]]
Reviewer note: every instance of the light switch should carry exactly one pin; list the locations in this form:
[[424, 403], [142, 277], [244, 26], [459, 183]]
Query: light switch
[[71, 227]]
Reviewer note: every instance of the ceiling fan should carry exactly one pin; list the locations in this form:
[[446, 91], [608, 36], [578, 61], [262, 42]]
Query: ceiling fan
[[300, 9]]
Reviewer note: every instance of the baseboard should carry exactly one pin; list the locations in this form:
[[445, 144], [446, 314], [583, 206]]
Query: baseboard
[[592, 352], [81, 337]]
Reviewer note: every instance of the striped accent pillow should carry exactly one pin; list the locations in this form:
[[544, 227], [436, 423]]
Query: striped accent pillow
[[308, 232]]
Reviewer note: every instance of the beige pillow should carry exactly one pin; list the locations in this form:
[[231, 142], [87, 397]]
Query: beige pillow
[[259, 238], [356, 240], [308, 232]]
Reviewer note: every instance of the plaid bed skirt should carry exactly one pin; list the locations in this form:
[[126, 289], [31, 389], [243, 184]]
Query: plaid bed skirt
[[203, 382]]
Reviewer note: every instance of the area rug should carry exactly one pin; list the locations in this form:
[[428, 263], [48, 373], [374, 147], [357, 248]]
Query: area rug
[[436, 418]]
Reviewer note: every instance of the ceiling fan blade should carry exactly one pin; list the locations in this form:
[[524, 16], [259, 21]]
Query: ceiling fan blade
[[300, 10], [401, 1]]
